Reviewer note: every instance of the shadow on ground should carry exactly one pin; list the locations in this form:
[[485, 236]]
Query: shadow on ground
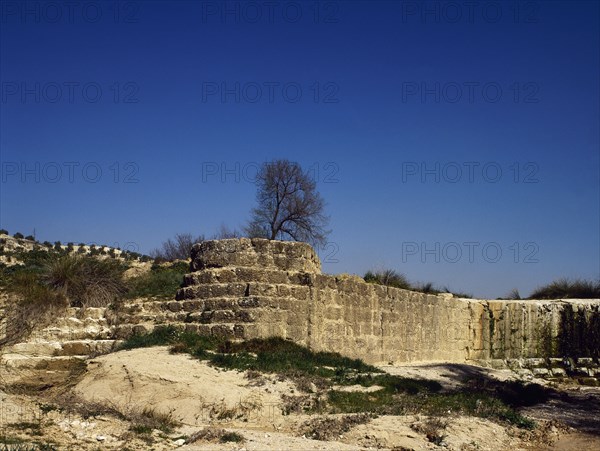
[[574, 407]]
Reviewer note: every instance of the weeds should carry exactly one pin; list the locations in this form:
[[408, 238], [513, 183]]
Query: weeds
[[160, 282], [433, 429], [329, 428], [143, 420], [211, 434]]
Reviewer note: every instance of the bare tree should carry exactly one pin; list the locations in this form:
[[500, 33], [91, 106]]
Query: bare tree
[[178, 248], [288, 205], [225, 232]]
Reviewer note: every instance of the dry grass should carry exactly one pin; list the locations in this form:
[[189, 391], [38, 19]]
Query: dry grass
[[212, 434], [433, 429], [331, 428]]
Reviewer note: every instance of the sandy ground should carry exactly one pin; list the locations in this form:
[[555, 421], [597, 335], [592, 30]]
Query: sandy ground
[[198, 395]]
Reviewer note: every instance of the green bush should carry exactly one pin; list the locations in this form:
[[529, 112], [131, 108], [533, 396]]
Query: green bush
[[3, 232], [160, 281], [18, 235], [30, 238], [87, 282], [568, 289]]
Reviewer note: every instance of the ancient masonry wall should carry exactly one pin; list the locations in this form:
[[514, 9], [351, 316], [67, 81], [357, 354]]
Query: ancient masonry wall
[[257, 288]]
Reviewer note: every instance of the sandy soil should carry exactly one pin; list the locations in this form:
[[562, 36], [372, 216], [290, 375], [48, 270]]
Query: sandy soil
[[199, 395]]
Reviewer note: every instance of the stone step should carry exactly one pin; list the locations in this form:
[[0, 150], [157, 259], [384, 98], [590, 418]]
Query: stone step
[[89, 312], [199, 305], [232, 330], [47, 363], [73, 332], [63, 348], [238, 290], [245, 275]]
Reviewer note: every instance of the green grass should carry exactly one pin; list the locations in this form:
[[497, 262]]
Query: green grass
[[398, 396], [425, 402], [270, 355], [160, 282]]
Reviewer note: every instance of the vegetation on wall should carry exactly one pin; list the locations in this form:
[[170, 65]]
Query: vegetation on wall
[[392, 278], [568, 289]]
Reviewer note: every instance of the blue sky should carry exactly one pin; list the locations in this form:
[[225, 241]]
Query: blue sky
[[457, 144]]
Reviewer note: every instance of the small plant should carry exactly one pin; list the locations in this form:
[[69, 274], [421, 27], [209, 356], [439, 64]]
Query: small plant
[[30, 238], [141, 429], [388, 277], [328, 428], [232, 437], [514, 294], [19, 235], [433, 429], [3, 232]]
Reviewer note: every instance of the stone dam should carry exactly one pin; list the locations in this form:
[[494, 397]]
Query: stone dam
[[247, 288]]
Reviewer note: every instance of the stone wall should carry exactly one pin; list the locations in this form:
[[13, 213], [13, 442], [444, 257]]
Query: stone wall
[[257, 288]]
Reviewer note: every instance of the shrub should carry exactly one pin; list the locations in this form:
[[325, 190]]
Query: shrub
[[388, 277], [47, 243], [160, 281], [18, 235], [30, 238], [426, 287], [568, 289], [513, 295], [86, 282], [3, 232]]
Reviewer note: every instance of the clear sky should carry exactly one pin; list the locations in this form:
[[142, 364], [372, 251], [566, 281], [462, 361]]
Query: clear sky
[[456, 142]]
